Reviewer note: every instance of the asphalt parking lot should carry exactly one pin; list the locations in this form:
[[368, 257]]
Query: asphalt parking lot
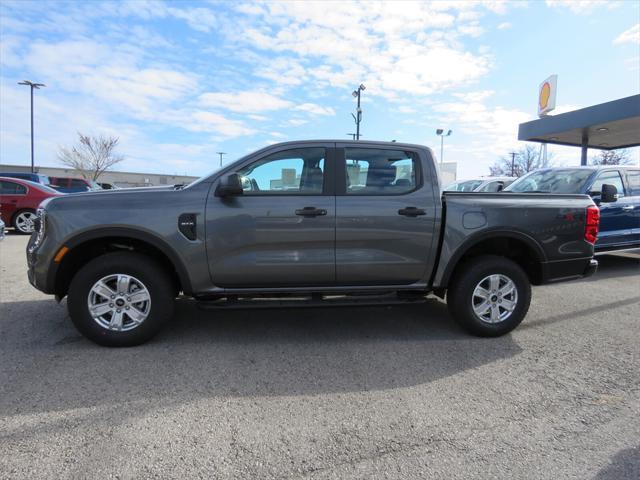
[[388, 392]]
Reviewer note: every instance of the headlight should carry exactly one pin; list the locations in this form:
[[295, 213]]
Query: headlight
[[40, 226]]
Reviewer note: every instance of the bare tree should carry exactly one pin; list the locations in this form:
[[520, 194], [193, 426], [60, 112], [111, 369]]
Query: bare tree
[[612, 157], [526, 159], [92, 156]]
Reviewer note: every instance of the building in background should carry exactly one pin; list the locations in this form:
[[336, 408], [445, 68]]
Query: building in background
[[448, 172], [119, 179]]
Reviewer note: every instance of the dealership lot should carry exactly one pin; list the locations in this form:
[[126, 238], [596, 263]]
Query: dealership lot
[[327, 393]]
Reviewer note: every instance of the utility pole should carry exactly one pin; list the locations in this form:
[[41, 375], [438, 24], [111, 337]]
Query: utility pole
[[37, 87], [513, 163], [358, 116], [352, 135], [221, 154]]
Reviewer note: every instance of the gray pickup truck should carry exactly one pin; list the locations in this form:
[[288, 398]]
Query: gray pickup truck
[[306, 223]]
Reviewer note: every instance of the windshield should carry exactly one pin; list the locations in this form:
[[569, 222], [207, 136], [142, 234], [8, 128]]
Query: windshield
[[552, 181], [466, 186]]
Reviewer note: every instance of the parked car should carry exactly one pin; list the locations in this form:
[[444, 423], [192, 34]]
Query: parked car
[[347, 222], [32, 177], [74, 185], [1, 229], [19, 200], [615, 189], [484, 184]]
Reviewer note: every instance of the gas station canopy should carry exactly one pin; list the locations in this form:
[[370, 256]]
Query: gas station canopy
[[607, 126]]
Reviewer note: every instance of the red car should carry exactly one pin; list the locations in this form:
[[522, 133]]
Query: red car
[[19, 200]]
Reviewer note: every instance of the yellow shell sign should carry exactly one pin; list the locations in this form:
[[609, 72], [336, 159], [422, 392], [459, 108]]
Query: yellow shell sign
[[547, 95]]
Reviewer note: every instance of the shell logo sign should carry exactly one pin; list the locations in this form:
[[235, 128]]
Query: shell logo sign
[[547, 95]]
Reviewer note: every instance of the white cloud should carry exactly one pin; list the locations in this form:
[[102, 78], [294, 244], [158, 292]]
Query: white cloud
[[492, 131], [580, 7], [396, 47], [244, 102], [315, 109], [202, 121], [632, 35], [504, 26]]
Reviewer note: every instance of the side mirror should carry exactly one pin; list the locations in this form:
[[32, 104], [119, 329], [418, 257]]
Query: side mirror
[[500, 187], [229, 185], [609, 193]]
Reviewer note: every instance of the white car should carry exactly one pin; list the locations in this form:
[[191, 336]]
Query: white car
[[484, 184], [1, 229]]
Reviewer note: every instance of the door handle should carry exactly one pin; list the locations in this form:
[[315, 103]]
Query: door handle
[[311, 212], [626, 208], [411, 212]]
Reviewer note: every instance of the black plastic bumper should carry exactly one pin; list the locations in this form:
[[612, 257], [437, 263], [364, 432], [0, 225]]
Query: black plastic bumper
[[562, 270]]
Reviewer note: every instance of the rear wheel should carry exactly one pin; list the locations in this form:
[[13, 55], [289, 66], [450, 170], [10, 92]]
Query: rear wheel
[[120, 299], [489, 295], [23, 222]]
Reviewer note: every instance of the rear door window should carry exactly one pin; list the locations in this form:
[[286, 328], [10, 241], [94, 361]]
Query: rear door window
[[12, 188], [372, 171]]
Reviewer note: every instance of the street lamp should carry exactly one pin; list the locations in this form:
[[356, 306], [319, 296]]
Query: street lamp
[[221, 154], [441, 134], [358, 116], [36, 86]]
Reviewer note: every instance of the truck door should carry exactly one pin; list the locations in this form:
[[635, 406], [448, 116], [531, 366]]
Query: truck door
[[616, 218], [281, 230], [385, 215]]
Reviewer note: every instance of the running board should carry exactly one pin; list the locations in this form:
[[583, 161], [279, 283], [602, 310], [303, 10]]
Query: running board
[[309, 301]]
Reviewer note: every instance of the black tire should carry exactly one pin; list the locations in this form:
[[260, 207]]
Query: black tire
[[155, 279], [460, 295], [16, 216]]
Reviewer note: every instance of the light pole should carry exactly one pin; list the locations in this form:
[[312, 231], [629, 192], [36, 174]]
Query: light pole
[[36, 86], [221, 154], [513, 163], [441, 134], [358, 116], [352, 135]]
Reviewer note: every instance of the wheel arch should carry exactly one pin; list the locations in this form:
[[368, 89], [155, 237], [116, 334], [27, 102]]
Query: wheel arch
[[90, 244], [515, 245]]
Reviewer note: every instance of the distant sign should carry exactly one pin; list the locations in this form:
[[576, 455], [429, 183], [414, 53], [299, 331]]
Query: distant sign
[[547, 95]]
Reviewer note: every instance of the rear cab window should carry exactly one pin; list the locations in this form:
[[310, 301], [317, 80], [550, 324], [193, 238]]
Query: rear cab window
[[373, 171]]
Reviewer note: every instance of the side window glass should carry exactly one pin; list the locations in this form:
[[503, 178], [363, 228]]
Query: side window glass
[[491, 187], [612, 178], [634, 181], [11, 188], [379, 172], [291, 172]]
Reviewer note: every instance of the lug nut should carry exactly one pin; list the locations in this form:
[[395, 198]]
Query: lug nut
[[126, 308], [118, 310], [111, 305]]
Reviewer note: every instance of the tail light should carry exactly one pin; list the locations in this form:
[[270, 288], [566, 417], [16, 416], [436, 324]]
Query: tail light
[[592, 224]]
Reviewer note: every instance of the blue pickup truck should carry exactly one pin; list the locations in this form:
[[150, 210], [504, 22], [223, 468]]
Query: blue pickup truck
[[619, 213]]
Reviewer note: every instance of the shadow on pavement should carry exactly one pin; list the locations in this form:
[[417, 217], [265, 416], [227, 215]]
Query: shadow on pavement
[[615, 265], [46, 365], [625, 465]]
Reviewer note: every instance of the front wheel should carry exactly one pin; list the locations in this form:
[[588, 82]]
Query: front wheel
[[489, 295], [23, 222], [120, 299]]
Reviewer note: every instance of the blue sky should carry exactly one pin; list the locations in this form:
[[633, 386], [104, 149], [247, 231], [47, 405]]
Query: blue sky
[[180, 81]]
